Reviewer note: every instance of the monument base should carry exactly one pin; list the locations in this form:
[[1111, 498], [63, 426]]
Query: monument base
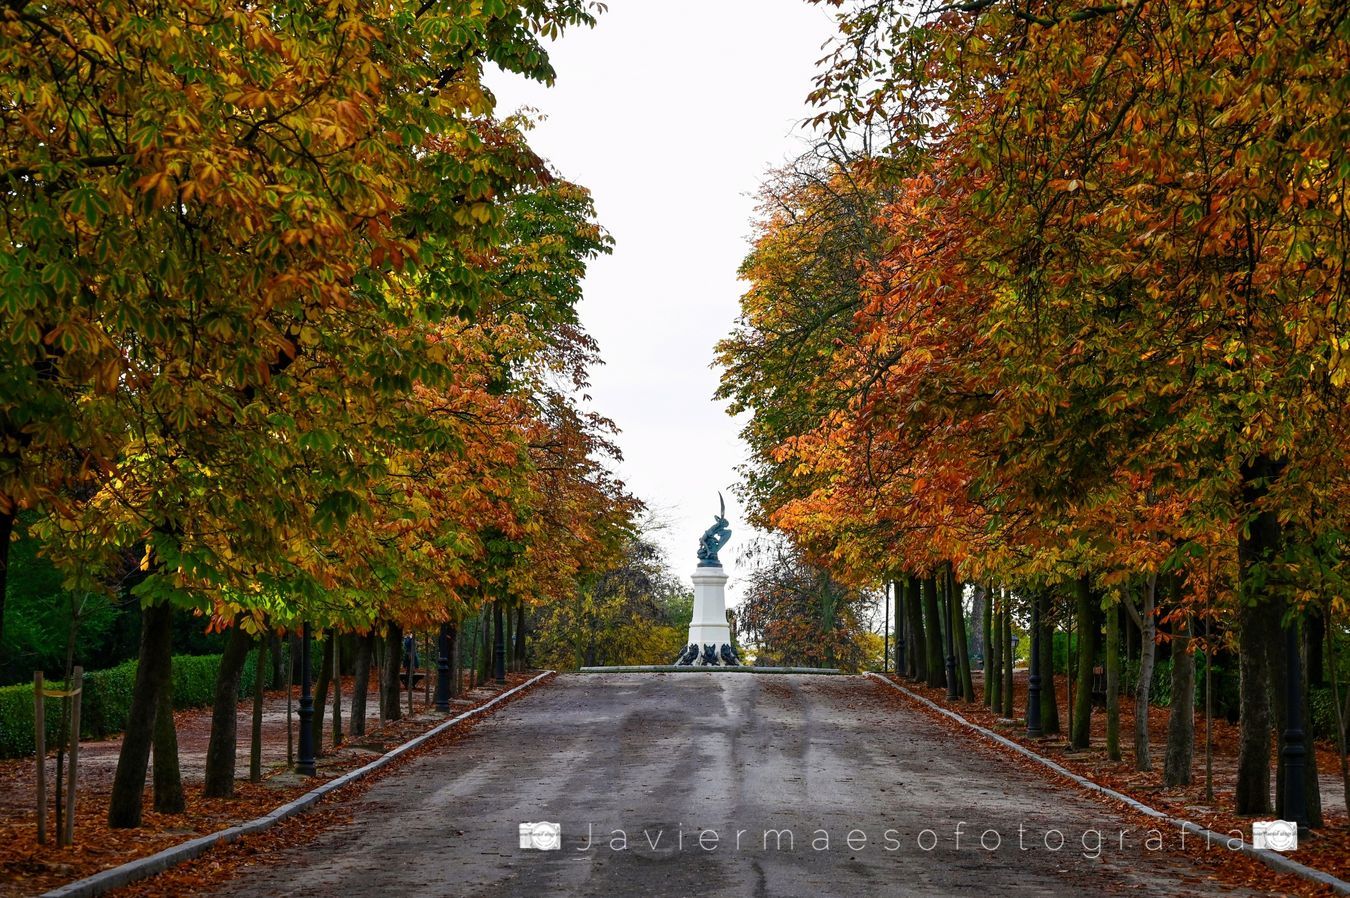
[[709, 643]]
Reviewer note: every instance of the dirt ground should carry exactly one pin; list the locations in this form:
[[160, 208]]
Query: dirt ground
[[1328, 850], [27, 868]]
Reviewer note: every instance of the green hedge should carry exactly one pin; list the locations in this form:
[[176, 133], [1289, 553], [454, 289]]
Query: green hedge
[[106, 702], [1225, 686], [1322, 711]]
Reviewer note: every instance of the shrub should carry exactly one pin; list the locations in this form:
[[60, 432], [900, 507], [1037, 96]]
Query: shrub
[[16, 720], [194, 680], [106, 702], [1322, 713]]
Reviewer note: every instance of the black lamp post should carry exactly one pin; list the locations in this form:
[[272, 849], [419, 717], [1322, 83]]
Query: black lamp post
[[443, 670], [1034, 671], [304, 764], [1294, 753]]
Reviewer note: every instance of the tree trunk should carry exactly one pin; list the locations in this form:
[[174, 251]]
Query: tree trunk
[[1255, 717], [321, 690], [1258, 618], [1008, 657], [1087, 655], [1049, 700], [918, 646], [337, 689], [410, 666], [520, 635], [897, 631], [168, 781], [499, 643], [1340, 714], [485, 647], [255, 743], [937, 669], [1113, 683], [457, 661], [993, 663], [364, 647], [152, 675], [1181, 720], [1143, 758], [393, 661], [960, 641], [988, 658], [222, 744], [6, 533]]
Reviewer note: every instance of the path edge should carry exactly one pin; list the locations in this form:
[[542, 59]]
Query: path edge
[[145, 867], [1270, 858], [710, 669]]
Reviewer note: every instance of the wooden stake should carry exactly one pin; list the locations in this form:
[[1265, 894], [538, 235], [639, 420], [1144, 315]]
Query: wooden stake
[[76, 688], [40, 742]]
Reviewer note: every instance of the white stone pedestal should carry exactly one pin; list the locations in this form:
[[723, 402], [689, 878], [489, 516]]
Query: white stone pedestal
[[708, 626]]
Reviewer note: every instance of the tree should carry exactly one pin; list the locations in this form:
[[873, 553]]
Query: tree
[[794, 613], [1102, 338], [209, 277]]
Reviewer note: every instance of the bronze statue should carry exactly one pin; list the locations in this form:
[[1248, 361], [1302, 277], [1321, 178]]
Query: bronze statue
[[714, 538]]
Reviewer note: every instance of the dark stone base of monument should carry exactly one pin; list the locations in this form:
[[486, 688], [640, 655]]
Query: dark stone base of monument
[[708, 656]]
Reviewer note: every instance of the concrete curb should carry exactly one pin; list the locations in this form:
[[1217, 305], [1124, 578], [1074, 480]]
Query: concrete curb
[[1272, 859], [671, 668], [145, 867]]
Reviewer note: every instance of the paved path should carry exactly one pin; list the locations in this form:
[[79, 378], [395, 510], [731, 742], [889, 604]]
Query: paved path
[[735, 755]]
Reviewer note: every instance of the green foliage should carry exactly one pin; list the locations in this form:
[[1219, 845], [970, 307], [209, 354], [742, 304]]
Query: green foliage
[[1322, 713], [1160, 693], [220, 293], [16, 721], [38, 612], [636, 612], [795, 614], [106, 700]]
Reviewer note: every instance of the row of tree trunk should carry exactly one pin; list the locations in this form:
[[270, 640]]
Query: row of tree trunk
[[930, 626], [150, 721]]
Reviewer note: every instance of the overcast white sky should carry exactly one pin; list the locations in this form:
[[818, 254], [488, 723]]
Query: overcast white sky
[[671, 112]]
